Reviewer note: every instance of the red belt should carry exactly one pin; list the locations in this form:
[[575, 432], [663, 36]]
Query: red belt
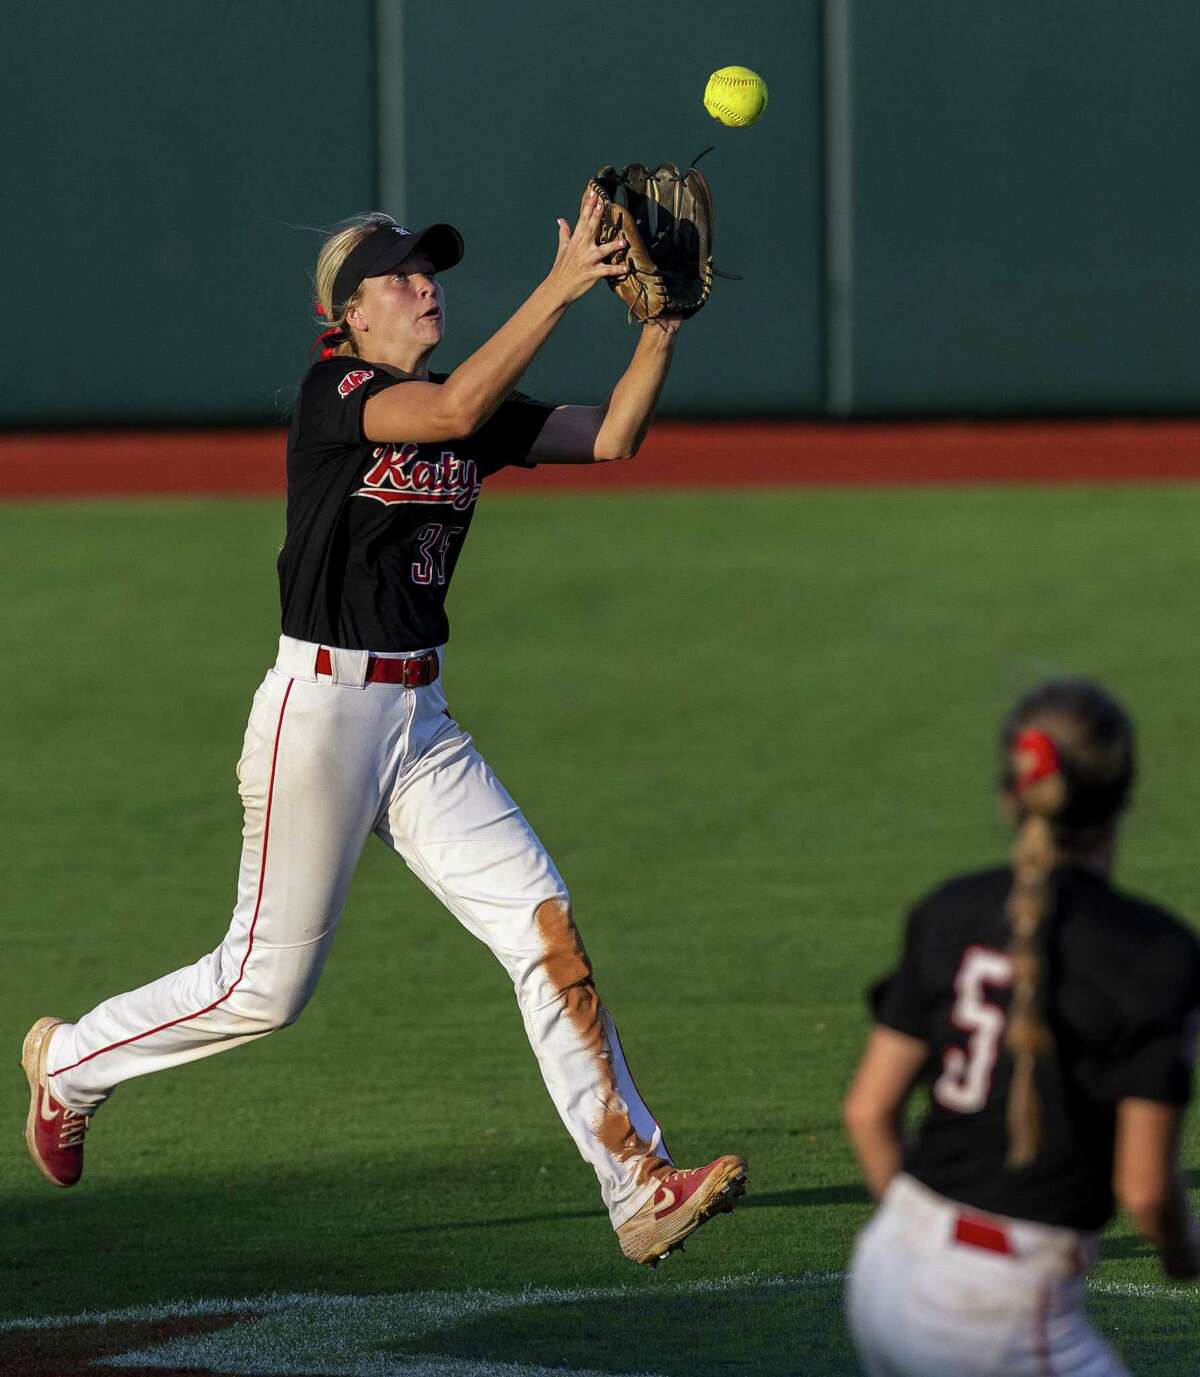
[[982, 1233], [412, 673]]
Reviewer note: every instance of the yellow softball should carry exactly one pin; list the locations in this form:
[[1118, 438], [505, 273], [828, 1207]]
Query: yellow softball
[[736, 96]]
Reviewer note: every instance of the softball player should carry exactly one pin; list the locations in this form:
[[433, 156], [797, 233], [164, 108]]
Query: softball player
[[349, 733], [1054, 1018]]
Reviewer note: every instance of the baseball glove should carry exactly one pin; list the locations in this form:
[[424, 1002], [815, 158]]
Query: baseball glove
[[666, 217]]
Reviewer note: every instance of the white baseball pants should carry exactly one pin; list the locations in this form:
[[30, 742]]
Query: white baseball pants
[[329, 759], [921, 1304]]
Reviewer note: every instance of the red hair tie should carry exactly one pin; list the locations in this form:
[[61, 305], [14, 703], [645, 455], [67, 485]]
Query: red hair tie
[[327, 351], [1036, 758], [320, 310]]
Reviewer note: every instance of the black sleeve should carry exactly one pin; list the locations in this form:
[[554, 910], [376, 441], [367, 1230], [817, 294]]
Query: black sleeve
[[901, 999], [508, 435], [331, 401], [1156, 1052]]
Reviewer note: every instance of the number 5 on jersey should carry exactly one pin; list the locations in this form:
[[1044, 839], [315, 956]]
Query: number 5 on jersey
[[967, 1076], [433, 542]]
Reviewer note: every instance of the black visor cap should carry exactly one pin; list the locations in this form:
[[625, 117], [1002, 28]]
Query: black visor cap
[[386, 248]]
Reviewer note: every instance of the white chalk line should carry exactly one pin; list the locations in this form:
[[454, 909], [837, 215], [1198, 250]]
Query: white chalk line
[[1145, 1290], [342, 1336], [530, 1295], [274, 1302]]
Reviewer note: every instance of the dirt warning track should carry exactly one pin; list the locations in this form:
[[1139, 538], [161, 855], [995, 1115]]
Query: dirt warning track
[[677, 454]]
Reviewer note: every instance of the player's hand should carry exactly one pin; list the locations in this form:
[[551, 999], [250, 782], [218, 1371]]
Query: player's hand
[[580, 262]]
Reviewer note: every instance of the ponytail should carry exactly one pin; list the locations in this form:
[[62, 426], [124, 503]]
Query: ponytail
[[1041, 792], [1069, 765]]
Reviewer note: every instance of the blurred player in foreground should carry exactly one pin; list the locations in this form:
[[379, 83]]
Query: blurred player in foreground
[[1055, 1018], [350, 734]]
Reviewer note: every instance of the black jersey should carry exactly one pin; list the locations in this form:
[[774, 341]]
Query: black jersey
[[374, 530], [1122, 982]]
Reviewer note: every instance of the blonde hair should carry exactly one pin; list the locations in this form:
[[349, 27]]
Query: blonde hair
[[1068, 757], [1027, 1035], [334, 252]]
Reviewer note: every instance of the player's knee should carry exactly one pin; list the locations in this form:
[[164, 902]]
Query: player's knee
[[268, 1011], [285, 1013], [284, 1008]]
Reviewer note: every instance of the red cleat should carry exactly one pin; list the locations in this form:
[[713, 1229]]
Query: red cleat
[[682, 1202], [53, 1133]]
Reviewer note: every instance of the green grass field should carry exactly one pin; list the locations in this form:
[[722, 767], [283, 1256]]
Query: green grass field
[[751, 729]]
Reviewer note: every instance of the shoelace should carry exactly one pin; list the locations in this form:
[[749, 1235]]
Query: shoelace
[[74, 1126]]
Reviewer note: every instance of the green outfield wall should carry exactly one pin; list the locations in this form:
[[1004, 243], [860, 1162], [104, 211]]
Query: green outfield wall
[[1023, 210], [947, 208], [160, 159]]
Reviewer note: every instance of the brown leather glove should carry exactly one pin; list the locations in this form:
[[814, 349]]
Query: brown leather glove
[[666, 216]]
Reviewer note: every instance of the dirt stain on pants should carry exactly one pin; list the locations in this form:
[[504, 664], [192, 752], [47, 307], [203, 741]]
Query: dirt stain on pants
[[570, 973]]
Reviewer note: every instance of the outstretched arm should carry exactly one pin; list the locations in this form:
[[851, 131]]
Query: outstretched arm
[[421, 411], [587, 434]]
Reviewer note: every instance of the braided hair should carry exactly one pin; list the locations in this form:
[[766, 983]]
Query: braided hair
[[1068, 765]]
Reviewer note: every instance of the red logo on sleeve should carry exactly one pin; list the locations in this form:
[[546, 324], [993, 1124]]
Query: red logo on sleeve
[[354, 379]]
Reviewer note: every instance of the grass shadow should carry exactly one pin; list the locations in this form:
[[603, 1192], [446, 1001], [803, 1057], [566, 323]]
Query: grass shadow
[[411, 1224]]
